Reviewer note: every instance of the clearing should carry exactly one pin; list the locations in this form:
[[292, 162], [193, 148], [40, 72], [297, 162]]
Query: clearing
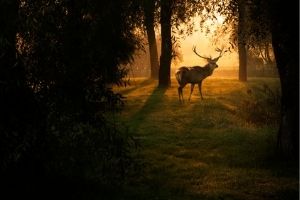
[[220, 148]]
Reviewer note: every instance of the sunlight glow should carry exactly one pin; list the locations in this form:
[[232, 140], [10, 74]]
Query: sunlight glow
[[205, 47]]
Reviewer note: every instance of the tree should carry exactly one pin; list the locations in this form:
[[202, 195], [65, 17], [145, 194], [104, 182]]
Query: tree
[[174, 13], [277, 20], [20, 116], [285, 41], [236, 23], [149, 12], [58, 60], [166, 43], [242, 40]]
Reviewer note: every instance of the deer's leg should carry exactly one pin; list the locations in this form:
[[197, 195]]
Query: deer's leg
[[200, 89], [179, 93], [192, 88]]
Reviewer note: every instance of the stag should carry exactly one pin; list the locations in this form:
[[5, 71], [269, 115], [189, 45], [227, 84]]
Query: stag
[[196, 74]]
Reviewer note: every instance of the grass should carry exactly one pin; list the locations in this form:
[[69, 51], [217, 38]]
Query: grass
[[205, 149]]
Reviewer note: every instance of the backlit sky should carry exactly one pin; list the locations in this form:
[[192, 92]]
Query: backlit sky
[[205, 48]]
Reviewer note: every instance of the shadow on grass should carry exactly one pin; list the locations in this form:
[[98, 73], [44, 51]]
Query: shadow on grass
[[137, 86], [238, 155], [239, 145], [149, 106]]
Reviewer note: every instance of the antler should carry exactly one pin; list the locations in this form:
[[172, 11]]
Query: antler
[[221, 51], [194, 50]]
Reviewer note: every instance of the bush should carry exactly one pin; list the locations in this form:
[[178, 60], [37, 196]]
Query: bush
[[57, 63], [262, 107], [97, 152]]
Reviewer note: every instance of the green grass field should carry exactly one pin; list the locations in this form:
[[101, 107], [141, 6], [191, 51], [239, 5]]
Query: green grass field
[[222, 147]]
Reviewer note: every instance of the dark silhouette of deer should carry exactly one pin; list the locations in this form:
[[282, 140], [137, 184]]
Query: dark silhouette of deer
[[196, 74]]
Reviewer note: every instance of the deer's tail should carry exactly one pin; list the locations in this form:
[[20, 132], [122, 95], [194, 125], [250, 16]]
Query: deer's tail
[[180, 75]]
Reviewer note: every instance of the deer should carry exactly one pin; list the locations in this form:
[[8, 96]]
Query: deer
[[196, 74]]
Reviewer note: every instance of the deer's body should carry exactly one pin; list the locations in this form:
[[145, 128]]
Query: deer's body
[[195, 75]]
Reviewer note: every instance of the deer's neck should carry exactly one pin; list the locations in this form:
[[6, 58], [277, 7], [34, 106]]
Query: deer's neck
[[208, 70]]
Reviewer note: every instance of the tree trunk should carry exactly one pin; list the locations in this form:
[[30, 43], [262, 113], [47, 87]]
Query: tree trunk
[[285, 42], [149, 8], [166, 44], [267, 54], [242, 41]]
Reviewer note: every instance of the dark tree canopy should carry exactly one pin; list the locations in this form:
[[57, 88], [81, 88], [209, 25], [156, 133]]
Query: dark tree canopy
[[57, 62]]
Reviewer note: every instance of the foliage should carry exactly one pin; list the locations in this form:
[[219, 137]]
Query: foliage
[[257, 31], [262, 107], [267, 23], [56, 120], [87, 151]]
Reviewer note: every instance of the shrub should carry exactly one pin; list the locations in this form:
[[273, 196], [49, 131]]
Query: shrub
[[262, 106]]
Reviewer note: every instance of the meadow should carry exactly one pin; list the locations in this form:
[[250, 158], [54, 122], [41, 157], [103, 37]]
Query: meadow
[[222, 147]]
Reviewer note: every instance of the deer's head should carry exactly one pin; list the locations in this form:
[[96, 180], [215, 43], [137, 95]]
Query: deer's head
[[212, 62]]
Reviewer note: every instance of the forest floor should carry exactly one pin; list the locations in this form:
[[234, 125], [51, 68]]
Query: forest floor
[[222, 147]]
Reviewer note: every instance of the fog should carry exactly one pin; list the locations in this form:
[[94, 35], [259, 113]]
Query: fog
[[205, 44]]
